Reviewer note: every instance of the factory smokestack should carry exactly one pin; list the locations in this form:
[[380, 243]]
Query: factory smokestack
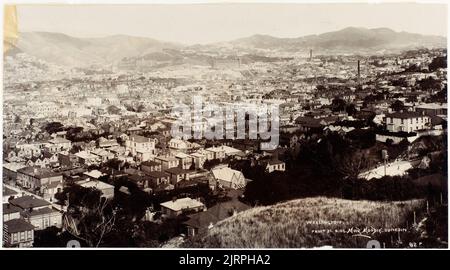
[[359, 69], [310, 55]]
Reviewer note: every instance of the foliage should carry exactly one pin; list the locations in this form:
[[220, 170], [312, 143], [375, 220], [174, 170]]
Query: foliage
[[438, 62], [398, 106], [338, 105], [288, 225], [53, 127]]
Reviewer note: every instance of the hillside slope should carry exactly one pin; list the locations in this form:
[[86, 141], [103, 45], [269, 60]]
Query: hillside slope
[[65, 50], [294, 224], [347, 39]]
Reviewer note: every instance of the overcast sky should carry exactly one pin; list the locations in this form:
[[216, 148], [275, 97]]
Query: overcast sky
[[204, 23]]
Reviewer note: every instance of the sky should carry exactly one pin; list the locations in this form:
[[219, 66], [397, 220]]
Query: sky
[[207, 23]]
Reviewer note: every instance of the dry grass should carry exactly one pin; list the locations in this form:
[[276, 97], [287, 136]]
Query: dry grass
[[287, 225]]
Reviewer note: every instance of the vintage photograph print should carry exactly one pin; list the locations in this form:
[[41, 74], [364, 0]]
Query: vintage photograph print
[[225, 125]]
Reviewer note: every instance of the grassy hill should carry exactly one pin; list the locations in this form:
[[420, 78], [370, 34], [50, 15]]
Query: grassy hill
[[295, 224]]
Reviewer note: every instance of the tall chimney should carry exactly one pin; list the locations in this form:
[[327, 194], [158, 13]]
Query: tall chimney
[[310, 55], [359, 69]]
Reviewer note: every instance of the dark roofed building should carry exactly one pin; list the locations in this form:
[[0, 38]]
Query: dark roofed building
[[10, 212], [27, 202], [18, 233], [158, 178], [310, 124], [404, 115], [140, 180], [43, 218], [177, 174], [150, 166], [7, 192], [200, 223], [37, 178], [407, 122]]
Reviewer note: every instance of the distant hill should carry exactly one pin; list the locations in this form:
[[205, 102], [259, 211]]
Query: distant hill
[[348, 39], [288, 224], [71, 51]]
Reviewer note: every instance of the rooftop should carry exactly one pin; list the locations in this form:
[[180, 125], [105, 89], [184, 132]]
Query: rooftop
[[432, 106], [18, 225], [404, 115], [216, 213], [58, 140], [8, 192], [156, 174], [150, 163], [9, 209], [140, 139], [167, 159], [41, 211], [96, 184], [94, 174], [176, 170], [38, 172], [275, 162], [225, 173], [26, 202], [13, 166], [184, 203]]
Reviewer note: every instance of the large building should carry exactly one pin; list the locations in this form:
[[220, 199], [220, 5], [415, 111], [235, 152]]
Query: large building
[[177, 207], [18, 233], [407, 122], [140, 144], [229, 178], [36, 178], [432, 109]]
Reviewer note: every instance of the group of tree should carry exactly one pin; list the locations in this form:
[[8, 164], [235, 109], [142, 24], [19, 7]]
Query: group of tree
[[398, 106], [89, 217], [53, 127], [340, 105], [329, 166], [438, 62], [429, 84]]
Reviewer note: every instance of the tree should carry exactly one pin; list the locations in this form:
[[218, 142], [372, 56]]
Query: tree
[[438, 62], [113, 110], [430, 84], [338, 105], [351, 109], [209, 164], [48, 237], [398, 106], [53, 127], [351, 165], [17, 119], [89, 217], [75, 149]]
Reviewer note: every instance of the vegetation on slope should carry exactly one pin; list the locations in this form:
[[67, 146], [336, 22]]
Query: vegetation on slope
[[295, 224]]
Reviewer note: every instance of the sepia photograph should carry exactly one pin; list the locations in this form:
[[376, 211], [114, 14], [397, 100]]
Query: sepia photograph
[[225, 125]]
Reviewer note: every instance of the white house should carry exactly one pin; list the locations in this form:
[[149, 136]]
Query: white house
[[217, 152], [43, 218], [275, 165], [176, 207], [140, 144], [107, 190], [228, 177], [407, 121], [167, 162], [18, 233]]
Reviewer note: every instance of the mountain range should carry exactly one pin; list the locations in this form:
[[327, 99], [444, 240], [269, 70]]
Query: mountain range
[[66, 50], [347, 39]]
